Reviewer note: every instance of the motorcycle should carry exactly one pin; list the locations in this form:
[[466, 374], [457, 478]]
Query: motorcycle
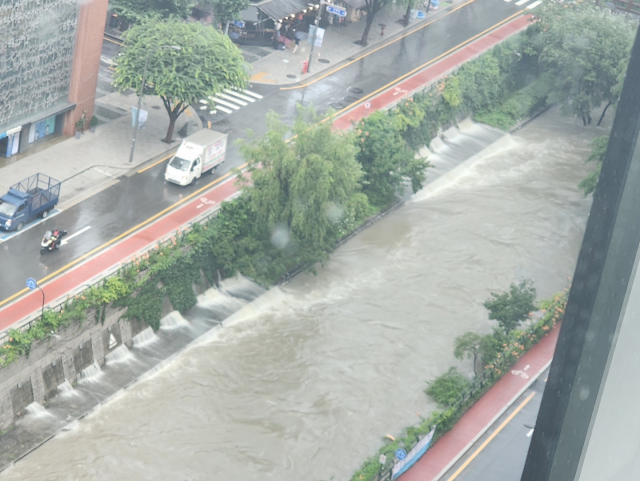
[[51, 240]]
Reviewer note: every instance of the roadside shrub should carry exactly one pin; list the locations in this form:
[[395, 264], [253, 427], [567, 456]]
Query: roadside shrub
[[446, 388]]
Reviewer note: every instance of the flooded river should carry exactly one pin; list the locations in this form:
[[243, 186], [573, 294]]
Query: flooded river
[[302, 383]]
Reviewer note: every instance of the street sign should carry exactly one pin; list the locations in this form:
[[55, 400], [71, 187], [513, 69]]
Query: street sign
[[339, 11], [367, 105], [31, 283], [238, 23], [401, 454]]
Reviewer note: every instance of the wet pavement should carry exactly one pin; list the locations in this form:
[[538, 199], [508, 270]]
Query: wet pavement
[[137, 197]]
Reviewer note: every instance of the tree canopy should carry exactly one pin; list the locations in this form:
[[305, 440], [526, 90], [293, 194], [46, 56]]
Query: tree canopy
[[585, 48], [206, 63], [512, 307], [385, 157], [305, 193], [227, 10], [136, 11]]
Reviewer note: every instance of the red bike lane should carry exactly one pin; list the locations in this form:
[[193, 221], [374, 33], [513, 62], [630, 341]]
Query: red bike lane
[[83, 274], [484, 413], [430, 73], [67, 282]]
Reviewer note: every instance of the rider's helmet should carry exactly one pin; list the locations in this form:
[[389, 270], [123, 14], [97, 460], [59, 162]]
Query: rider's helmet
[[47, 235]]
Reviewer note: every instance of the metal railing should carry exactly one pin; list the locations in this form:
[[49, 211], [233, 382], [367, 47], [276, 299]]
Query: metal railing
[[58, 304]]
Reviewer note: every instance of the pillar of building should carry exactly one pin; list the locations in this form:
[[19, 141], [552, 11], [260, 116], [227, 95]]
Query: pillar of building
[[86, 61]]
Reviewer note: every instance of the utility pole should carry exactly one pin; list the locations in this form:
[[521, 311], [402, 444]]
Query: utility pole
[[315, 34]]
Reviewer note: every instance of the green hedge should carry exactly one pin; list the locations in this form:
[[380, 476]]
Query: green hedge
[[520, 341]]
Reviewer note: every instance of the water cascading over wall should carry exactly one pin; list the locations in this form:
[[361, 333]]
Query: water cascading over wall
[[37, 39]]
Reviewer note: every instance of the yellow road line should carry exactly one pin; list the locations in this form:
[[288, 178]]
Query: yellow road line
[[424, 65], [493, 435], [376, 49], [115, 239], [154, 164], [112, 41]]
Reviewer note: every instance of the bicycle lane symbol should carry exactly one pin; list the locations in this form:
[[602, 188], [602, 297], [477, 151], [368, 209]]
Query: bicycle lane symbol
[[205, 201], [522, 373]]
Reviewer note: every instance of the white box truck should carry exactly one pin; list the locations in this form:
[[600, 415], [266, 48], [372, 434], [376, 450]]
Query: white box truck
[[201, 152]]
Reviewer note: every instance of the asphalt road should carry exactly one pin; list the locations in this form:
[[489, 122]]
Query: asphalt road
[[139, 196], [502, 459]]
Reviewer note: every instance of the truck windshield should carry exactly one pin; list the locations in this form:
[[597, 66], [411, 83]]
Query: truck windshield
[[7, 209], [180, 164]]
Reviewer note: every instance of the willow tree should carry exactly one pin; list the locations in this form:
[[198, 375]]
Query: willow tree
[[305, 193], [587, 50], [205, 64]]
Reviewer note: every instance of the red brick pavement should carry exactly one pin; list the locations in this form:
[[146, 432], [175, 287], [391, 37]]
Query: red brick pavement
[[475, 422]]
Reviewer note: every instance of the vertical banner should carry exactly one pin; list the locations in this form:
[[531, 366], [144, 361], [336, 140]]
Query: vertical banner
[[319, 35], [413, 455], [141, 120]]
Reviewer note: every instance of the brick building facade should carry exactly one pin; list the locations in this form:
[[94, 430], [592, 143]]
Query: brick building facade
[[49, 61]]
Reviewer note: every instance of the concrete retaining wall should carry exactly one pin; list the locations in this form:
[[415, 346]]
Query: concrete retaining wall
[[36, 377]]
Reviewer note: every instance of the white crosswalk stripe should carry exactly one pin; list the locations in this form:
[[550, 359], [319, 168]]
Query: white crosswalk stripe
[[534, 5], [229, 101], [521, 2]]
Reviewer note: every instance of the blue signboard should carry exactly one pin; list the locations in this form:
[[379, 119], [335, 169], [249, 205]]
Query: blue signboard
[[401, 454], [339, 11], [238, 23], [420, 14], [31, 283]]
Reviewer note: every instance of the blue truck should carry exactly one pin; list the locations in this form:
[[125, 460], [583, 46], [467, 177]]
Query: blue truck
[[34, 196]]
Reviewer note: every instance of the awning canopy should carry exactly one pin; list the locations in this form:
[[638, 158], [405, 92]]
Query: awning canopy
[[279, 9], [249, 14]]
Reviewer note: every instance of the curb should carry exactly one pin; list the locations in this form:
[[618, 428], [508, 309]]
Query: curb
[[408, 30], [493, 420]]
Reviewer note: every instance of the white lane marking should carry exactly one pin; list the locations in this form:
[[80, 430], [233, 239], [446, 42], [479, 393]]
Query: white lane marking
[[253, 94], [226, 104], [13, 233], [202, 101], [203, 107], [507, 1], [239, 95], [534, 5], [522, 2], [233, 99], [220, 107], [103, 172], [530, 433], [64, 241]]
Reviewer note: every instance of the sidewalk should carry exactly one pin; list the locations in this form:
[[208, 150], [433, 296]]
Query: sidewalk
[[283, 67], [484, 413], [96, 160]]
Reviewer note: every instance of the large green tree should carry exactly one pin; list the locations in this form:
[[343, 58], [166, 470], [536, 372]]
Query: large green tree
[[305, 193], [584, 47], [136, 11], [206, 63], [386, 158], [512, 307], [226, 11]]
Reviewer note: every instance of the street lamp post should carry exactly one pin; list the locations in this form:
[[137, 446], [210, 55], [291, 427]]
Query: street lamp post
[[144, 77], [315, 35]]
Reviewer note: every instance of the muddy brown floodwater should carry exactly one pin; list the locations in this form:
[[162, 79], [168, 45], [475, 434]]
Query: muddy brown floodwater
[[302, 383]]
